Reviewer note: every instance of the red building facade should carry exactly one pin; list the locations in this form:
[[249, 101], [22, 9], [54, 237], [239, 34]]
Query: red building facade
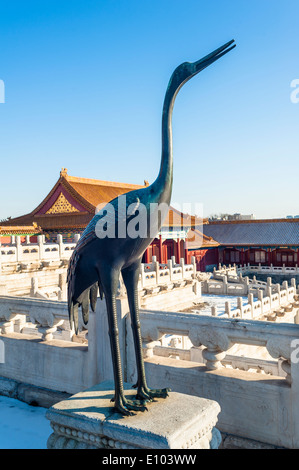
[[265, 242]]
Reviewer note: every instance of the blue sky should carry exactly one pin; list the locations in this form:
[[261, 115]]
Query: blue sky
[[84, 88]]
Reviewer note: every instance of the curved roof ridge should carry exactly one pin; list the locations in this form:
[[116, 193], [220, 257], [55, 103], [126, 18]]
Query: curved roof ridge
[[78, 179]]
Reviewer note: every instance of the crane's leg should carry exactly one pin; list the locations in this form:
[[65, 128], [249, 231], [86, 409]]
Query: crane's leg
[[109, 281], [130, 277]]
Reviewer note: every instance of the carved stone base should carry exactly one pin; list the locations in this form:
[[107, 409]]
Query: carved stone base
[[87, 420]]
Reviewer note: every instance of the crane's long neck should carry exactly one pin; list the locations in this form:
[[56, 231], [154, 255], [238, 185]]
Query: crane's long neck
[[163, 183]]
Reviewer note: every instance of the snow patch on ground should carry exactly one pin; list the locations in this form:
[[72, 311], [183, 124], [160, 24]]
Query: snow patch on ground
[[219, 302], [22, 426]]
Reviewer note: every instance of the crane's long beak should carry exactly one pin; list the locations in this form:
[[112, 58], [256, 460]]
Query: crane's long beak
[[213, 56]]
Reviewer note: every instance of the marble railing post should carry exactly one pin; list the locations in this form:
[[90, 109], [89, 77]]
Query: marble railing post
[[228, 308], [34, 286], [246, 285], [214, 311], [62, 284], [285, 287], [250, 301], [170, 267], [40, 241], [18, 249], [260, 295], [182, 263], [278, 289], [240, 305], [60, 245], [224, 284], [157, 270], [293, 284], [269, 294]]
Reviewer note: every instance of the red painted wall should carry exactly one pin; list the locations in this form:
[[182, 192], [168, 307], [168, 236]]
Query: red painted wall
[[205, 258]]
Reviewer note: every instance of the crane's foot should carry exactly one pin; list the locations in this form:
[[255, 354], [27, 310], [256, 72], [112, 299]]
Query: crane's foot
[[127, 407], [149, 394]]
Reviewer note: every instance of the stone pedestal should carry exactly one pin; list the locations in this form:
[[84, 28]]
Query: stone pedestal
[[87, 420]]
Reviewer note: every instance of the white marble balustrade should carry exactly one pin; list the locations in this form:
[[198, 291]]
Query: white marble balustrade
[[256, 406], [42, 251]]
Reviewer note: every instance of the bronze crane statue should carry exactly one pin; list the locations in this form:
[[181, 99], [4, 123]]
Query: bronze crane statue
[[98, 259]]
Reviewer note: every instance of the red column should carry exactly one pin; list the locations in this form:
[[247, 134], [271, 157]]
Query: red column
[[165, 253], [274, 257], [161, 250], [186, 254], [178, 250], [269, 256], [173, 251]]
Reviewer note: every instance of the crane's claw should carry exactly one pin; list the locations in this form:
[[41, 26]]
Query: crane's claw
[[149, 394], [126, 406], [123, 410], [136, 405]]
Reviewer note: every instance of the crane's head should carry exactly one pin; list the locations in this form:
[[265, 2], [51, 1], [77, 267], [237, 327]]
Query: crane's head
[[187, 70]]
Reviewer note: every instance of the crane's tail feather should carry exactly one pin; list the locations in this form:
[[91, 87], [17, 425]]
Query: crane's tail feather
[[89, 297], [93, 294], [85, 307], [78, 298], [74, 316]]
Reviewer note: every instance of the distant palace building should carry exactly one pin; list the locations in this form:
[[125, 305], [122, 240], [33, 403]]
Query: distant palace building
[[267, 241]]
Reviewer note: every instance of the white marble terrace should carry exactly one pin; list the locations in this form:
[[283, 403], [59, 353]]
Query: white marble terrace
[[193, 353]]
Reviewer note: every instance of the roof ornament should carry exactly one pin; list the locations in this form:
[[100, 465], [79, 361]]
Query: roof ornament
[[63, 172]]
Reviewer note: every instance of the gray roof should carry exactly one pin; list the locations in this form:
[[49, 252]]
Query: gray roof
[[258, 233]]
